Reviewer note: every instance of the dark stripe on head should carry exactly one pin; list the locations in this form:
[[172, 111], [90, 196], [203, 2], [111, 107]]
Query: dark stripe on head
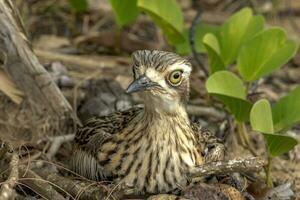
[[156, 59]]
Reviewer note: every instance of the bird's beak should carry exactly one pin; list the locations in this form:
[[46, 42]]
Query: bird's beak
[[140, 84]]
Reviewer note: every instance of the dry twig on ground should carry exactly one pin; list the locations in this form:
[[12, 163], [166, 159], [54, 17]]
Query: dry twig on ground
[[223, 167], [98, 63], [57, 141], [42, 187], [80, 189], [7, 188]]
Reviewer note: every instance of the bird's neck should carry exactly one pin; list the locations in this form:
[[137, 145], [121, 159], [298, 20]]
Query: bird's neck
[[165, 119], [165, 109]]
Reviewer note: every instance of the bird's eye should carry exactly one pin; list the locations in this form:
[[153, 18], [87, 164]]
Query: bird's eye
[[175, 77]]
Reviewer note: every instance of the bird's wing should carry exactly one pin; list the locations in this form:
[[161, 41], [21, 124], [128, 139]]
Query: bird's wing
[[91, 136], [98, 129], [212, 147]]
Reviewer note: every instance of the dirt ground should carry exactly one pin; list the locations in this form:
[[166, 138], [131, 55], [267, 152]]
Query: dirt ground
[[92, 70]]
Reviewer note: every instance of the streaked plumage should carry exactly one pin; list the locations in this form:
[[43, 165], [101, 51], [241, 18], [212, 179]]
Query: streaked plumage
[[151, 148]]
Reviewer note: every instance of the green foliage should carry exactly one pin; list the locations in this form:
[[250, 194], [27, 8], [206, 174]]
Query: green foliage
[[230, 90], [167, 15], [279, 144], [238, 29], [213, 49], [261, 119], [286, 112], [201, 30], [223, 46], [257, 52], [78, 6], [125, 12], [263, 54]]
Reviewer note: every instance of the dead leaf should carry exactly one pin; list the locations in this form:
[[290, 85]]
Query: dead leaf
[[8, 87]]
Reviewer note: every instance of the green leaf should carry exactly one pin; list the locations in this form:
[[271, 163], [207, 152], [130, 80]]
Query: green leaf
[[230, 90], [279, 144], [262, 121], [226, 83], [286, 112], [238, 107], [79, 5], [237, 30], [255, 26], [213, 49], [167, 15], [261, 117], [264, 53], [125, 11], [201, 30]]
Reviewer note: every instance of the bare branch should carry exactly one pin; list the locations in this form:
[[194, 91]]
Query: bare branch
[[57, 141], [80, 189], [38, 185], [223, 167]]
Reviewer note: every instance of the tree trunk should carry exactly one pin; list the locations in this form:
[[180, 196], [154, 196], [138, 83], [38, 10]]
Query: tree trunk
[[23, 67]]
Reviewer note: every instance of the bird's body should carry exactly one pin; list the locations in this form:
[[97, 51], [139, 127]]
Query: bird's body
[[153, 148]]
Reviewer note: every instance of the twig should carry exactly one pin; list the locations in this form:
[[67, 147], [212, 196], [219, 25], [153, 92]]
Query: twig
[[224, 167], [205, 111], [97, 63], [254, 4], [38, 185], [80, 189], [7, 188], [57, 141], [192, 42], [252, 88], [4, 148]]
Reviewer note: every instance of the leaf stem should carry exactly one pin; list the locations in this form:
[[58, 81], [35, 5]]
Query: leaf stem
[[268, 171], [240, 134], [243, 135]]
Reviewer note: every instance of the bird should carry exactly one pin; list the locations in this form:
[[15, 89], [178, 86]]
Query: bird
[[151, 148]]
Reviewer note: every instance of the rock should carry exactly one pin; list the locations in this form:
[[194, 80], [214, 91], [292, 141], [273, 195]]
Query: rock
[[102, 98]]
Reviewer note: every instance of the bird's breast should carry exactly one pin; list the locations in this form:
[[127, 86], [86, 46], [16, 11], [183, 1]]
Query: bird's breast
[[152, 157]]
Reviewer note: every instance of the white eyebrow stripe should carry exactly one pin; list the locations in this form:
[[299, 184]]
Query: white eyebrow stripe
[[156, 76], [180, 66], [153, 75]]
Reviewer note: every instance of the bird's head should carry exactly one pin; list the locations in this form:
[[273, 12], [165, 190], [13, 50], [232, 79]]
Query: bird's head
[[162, 78]]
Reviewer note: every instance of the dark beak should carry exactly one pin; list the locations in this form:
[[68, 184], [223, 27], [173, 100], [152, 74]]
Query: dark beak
[[140, 84]]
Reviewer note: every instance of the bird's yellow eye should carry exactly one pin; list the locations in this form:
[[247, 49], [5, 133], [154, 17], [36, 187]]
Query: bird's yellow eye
[[175, 77]]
